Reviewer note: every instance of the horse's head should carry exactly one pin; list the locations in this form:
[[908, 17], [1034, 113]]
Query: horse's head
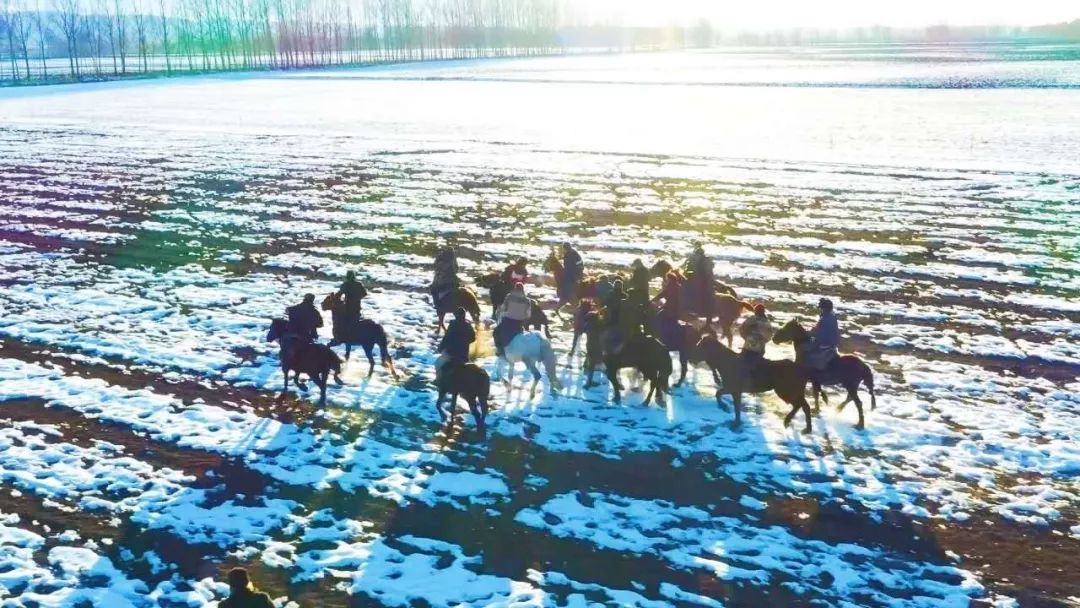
[[660, 269], [708, 347], [488, 280], [277, 330], [552, 263], [329, 302], [791, 332]]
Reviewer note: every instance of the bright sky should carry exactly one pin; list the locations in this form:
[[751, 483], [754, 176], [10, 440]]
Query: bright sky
[[770, 14]]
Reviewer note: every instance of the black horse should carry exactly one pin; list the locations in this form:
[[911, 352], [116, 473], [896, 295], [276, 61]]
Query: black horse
[[848, 371], [643, 353], [471, 382], [498, 289], [318, 361], [365, 333]]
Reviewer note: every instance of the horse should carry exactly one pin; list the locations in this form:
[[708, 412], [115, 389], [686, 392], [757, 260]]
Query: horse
[[471, 382], [784, 377], [365, 333], [643, 353], [848, 371], [661, 268], [589, 287], [530, 348], [318, 361], [458, 297], [497, 292]]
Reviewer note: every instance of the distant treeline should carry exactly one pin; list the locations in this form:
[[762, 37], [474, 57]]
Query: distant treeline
[[89, 39], [1062, 32]]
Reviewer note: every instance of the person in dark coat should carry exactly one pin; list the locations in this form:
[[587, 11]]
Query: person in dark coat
[[352, 292], [242, 593], [639, 283], [573, 271], [670, 299], [824, 337], [454, 347], [445, 276], [613, 318], [304, 319], [699, 281]]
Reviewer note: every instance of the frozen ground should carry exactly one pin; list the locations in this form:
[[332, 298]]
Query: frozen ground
[[145, 243]]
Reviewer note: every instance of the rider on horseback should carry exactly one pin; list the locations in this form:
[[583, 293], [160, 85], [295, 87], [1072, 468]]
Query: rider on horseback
[[614, 305], [667, 318], [573, 271], [825, 337], [454, 347], [756, 331], [352, 292], [445, 278], [304, 320], [639, 283], [699, 274], [512, 315]]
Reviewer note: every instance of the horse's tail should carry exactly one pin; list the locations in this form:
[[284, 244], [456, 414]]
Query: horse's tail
[[868, 380], [550, 364]]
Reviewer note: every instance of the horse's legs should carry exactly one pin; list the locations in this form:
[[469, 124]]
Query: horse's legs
[[369, 350], [652, 388], [816, 390], [736, 400], [441, 326], [531, 365], [573, 348], [438, 404], [729, 335], [683, 357], [853, 395], [285, 387], [805, 406], [321, 380], [612, 373], [348, 350]]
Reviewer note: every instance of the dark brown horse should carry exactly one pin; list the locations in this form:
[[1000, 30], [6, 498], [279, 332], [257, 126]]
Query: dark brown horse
[[660, 269], [459, 297], [318, 361], [785, 377], [590, 287], [848, 371], [497, 292], [365, 333], [470, 382]]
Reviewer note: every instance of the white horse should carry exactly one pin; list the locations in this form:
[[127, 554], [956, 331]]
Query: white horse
[[530, 348]]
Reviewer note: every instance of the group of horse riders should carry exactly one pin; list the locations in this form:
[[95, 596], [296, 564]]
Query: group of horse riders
[[623, 312]]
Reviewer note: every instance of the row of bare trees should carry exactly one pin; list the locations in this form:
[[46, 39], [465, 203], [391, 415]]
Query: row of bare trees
[[83, 39]]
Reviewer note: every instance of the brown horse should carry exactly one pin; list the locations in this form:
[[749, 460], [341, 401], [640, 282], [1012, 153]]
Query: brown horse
[[470, 382], [497, 292], [660, 269], [459, 297], [848, 371], [365, 333], [318, 361], [785, 377], [590, 287]]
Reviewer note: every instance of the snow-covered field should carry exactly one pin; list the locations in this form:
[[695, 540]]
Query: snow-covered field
[[149, 231]]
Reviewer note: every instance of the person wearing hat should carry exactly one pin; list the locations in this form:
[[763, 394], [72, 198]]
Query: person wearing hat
[[454, 347], [352, 292], [304, 319], [242, 593], [512, 315], [445, 277], [573, 271], [824, 337], [699, 275], [614, 304], [639, 283], [756, 331]]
